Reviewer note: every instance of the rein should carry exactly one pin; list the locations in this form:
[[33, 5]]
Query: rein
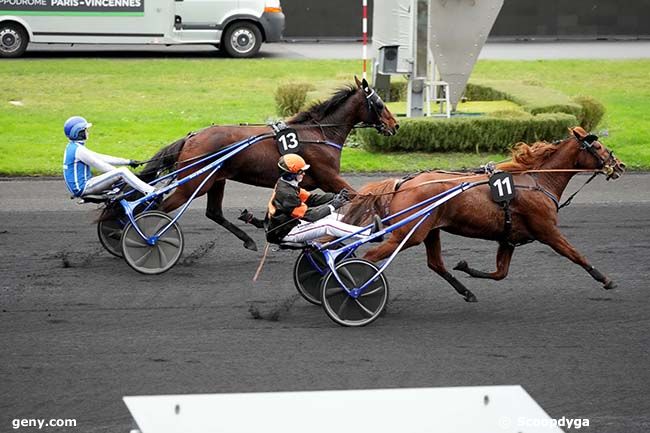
[[317, 125], [453, 179], [568, 200]]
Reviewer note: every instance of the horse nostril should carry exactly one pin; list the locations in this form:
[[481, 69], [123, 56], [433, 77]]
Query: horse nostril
[[396, 126], [622, 165]]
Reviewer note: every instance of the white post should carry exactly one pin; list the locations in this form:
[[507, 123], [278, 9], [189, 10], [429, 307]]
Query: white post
[[364, 26]]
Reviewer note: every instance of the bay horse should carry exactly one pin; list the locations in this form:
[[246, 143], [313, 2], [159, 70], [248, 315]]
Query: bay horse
[[323, 129], [541, 172]]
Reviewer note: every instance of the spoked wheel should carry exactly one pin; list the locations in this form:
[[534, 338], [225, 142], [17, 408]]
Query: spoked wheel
[[308, 273], [110, 235], [157, 258], [344, 309]]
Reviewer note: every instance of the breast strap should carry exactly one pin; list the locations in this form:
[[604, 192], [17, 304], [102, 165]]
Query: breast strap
[[540, 188]]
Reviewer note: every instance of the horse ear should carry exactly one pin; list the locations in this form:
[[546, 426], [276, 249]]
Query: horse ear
[[578, 132], [364, 84], [356, 80]]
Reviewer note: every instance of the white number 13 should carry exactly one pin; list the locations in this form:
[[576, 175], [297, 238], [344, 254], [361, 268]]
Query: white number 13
[[289, 141]]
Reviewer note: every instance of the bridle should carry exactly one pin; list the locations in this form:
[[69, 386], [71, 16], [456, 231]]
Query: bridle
[[375, 107], [605, 164]]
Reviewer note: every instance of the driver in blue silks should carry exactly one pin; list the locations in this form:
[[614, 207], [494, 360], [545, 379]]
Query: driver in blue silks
[[78, 160]]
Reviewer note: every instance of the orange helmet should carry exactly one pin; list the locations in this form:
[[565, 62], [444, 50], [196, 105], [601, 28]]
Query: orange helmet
[[292, 163]]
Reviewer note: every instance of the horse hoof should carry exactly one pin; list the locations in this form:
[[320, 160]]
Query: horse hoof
[[461, 266], [250, 245], [611, 285], [470, 298]]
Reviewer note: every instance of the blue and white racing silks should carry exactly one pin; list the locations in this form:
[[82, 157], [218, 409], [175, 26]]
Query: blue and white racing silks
[[75, 172], [77, 161]]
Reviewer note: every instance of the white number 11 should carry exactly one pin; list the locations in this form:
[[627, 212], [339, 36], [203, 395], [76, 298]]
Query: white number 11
[[500, 183]]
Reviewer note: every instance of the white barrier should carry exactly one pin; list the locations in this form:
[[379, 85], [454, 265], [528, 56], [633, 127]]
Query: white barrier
[[489, 409]]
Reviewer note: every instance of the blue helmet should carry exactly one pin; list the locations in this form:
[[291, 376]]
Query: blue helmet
[[74, 126]]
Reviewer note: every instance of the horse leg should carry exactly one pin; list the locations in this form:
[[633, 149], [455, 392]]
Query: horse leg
[[504, 255], [436, 264], [215, 213], [561, 245], [173, 202], [382, 251]]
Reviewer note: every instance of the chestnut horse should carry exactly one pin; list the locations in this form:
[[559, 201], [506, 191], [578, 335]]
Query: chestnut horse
[[541, 173], [322, 130]]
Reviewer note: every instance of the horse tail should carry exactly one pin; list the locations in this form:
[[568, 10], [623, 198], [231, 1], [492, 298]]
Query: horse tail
[[163, 160], [372, 199]]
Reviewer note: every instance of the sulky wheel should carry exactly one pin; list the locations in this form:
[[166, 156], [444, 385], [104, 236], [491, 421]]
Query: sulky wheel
[[345, 309], [308, 273], [110, 235], [157, 258]]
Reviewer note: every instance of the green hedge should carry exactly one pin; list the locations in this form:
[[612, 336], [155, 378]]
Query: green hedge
[[495, 133], [592, 112], [291, 98], [397, 92], [482, 92], [537, 99], [532, 97]]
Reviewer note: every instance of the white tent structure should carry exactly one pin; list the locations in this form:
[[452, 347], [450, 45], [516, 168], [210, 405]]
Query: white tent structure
[[434, 42]]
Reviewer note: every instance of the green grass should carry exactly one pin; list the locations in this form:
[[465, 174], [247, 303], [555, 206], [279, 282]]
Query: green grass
[[622, 86], [138, 106]]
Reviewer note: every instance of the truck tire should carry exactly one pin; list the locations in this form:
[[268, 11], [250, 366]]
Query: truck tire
[[13, 40], [242, 39]]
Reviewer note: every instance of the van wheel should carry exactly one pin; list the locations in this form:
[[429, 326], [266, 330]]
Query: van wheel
[[242, 39], [13, 40]]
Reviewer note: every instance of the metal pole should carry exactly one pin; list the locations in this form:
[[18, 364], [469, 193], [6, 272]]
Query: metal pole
[[365, 38]]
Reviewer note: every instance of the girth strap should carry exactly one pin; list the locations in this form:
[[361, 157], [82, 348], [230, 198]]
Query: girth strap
[[507, 222]]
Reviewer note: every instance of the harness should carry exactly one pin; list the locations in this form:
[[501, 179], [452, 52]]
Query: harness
[[541, 189], [605, 166], [587, 143], [375, 106]]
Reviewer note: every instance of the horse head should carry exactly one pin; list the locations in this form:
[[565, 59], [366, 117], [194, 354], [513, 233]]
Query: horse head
[[594, 155], [376, 113]]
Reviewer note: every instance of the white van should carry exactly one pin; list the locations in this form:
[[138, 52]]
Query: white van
[[237, 26]]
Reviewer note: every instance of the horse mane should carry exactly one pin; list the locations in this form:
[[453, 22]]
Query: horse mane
[[372, 199], [529, 156], [319, 110]]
